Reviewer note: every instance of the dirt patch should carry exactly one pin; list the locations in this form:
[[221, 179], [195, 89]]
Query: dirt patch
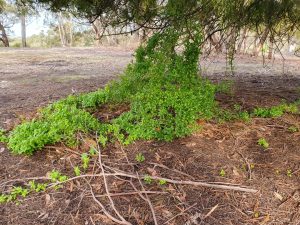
[[230, 147]]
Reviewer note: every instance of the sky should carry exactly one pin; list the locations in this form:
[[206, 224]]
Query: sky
[[34, 26]]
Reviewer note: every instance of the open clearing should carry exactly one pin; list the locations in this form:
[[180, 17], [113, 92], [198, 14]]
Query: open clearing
[[32, 78]]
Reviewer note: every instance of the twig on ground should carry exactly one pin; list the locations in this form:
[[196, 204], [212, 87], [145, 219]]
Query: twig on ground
[[131, 193], [248, 165], [232, 187], [106, 186], [23, 180], [174, 217], [147, 199], [173, 170], [105, 211], [211, 211]]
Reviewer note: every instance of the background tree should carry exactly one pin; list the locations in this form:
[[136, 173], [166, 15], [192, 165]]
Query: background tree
[[223, 22], [7, 20]]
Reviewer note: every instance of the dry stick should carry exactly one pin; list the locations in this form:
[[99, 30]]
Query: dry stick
[[132, 193], [211, 211], [146, 198], [105, 211], [224, 186], [248, 164], [106, 186], [174, 217], [173, 170], [231, 187], [23, 179]]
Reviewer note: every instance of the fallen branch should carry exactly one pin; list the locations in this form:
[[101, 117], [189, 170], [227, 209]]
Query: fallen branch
[[174, 217], [106, 212], [106, 187], [130, 193]]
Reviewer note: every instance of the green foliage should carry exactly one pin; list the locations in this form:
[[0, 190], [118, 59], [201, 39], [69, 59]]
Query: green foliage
[[276, 111], [85, 160], [140, 157], [289, 173], [37, 187], [147, 179], [263, 143], [77, 171], [92, 151], [165, 92], [163, 88], [222, 173], [58, 122], [293, 129], [19, 191], [225, 87], [162, 182], [3, 198], [13, 195], [56, 176], [3, 137]]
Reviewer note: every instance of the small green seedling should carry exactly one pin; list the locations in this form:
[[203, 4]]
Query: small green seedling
[[289, 173], [263, 143], [256, 214], [3, 198], [41, 187], [147, 179], [85, 161], [18, 191], [93, 151], [32, 185], [77, 171], [37, 187], [222, 173], [293, 129], [54, 175], [162, 182], [140, 157]]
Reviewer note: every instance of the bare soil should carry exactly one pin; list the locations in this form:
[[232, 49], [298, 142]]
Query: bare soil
[[35, 77]]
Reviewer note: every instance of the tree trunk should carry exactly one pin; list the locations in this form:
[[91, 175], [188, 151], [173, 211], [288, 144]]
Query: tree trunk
[[216, 43], [71, 32], [61, 31], [23, 30], [3, 37], [97, 33], [271, 48], [243, 40], [262, 41]]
